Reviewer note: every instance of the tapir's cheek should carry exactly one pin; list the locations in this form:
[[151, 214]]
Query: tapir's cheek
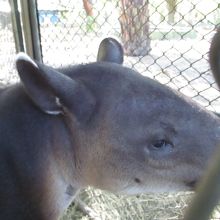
[[158, 158]]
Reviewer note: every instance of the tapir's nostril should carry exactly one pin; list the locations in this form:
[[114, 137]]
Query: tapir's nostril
[[191, 184], [137, 180]]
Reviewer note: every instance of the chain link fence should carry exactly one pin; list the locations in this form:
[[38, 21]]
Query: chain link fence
[[173, 38], [165, 40], [7, 45]]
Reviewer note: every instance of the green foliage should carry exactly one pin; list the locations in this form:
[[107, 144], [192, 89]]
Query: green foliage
[[90, 24], [172, 35]]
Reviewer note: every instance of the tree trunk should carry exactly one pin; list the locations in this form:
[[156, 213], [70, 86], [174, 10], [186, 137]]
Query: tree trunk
[[134, 21], [171, 7], [88, 7]]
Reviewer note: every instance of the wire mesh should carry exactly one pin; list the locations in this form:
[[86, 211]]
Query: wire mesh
[[175, 38], [7, 45]]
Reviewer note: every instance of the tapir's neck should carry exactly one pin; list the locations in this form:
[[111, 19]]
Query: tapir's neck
[[47, 149]]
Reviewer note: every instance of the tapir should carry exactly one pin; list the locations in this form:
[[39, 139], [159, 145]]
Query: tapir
[[98, 124]]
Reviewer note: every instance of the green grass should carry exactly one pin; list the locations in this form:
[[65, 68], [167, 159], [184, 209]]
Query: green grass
[[173, 35]]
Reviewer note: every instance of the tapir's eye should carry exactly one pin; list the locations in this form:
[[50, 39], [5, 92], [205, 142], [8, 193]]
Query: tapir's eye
[[162, 144], [160, 150]]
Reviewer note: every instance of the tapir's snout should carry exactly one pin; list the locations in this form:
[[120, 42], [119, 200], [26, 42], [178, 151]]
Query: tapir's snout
[[192, 184]]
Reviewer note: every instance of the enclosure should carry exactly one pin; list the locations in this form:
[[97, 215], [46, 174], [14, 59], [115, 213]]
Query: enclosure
[[165, 40]]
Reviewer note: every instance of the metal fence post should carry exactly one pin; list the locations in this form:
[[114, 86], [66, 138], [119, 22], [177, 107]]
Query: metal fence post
[[31, 29], [16, 24], [208, 193]]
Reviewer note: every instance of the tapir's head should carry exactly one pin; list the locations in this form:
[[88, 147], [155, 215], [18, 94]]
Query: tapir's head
[[130, 133]]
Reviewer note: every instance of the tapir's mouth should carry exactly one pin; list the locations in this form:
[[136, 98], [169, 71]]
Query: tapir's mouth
[[191, 184]]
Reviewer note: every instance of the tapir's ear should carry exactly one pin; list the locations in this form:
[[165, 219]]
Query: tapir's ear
[[214, 56], [51, 90], [110, 50]]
